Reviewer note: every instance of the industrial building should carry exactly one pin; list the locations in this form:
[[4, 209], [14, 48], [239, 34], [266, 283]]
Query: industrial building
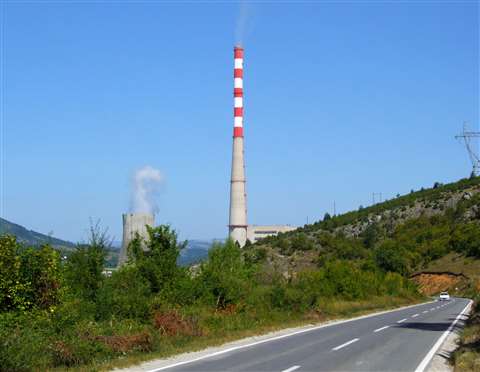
[[239, 230]]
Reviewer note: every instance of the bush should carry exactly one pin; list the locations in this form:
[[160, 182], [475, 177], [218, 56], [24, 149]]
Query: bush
[[226, 277], [28, 277], [125, 295]]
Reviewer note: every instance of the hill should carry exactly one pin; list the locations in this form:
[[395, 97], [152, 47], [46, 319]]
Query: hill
[[33, 238], [434, 230]]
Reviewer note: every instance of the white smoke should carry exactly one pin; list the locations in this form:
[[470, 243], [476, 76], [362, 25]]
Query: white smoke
[[242, 21], [146, 184]]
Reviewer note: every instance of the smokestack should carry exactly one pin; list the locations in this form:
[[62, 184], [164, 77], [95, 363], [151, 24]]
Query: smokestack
[[134, 223], [238, 193]]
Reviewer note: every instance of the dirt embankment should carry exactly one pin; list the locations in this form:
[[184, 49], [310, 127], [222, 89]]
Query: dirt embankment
[[431, 283]]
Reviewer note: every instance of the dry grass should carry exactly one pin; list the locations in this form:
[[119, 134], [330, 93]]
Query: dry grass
[[456, 263]]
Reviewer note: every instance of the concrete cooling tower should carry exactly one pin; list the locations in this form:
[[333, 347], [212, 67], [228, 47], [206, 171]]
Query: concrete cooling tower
[[134, 223]]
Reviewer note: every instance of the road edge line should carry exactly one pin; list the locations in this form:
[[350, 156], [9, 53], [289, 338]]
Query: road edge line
[[428, 358]]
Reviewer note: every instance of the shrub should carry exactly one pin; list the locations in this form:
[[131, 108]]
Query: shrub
[[12, 287], [126, 294], [226, 277]]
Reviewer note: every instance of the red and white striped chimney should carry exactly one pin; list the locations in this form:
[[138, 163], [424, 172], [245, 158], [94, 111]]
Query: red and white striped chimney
[[238, 193]]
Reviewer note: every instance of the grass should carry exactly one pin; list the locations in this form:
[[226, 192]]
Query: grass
[[225, 328]]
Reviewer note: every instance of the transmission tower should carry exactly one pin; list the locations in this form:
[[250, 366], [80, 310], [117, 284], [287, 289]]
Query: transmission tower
[[468, 138]]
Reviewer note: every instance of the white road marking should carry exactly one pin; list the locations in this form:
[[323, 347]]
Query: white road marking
[[345, 344], [425, 311], [432, 309], [402, 320], [424, 363], [414, 316], [293, 368], [381, 329]]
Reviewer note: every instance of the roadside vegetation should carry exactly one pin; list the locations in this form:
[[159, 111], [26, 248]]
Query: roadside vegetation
[[467, 356], [58, 315]]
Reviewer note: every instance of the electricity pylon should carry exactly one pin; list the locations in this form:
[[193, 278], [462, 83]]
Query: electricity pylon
[[468, 138]]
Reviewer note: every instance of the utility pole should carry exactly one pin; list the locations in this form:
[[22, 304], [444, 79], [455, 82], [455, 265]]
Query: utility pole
[[468, 138], [379, 194], [334, 208]]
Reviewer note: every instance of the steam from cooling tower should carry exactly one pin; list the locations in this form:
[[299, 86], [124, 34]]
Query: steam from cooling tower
[[242, 22], [146, 184]]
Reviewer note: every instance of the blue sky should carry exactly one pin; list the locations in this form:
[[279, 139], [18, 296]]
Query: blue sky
[[342, 99]]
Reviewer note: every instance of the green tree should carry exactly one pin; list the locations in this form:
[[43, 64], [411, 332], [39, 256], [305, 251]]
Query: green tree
[[226, 277], [12, 287], [466, 239], [40, 270], [156, 257], [84, 267], [389, 256]]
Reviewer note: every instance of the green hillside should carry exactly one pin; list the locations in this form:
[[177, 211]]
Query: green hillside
[[32, 238], [431, 229]]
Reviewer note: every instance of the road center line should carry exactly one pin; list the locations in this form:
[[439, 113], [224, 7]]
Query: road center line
[[414, 316], [293, 368], [345, 344], [402, 320], [381, 329]]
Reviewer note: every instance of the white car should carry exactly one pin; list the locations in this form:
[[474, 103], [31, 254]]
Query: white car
[[444, 296]]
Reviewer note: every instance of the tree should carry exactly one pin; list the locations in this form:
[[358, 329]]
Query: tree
[[466, 239], [84, 267], [156, 257], [28, 277], [225, 276], [371, 235], [389, 256], [11, 286], [327, 216]]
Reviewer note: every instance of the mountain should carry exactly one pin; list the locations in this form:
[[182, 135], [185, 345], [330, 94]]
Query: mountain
[[195, 251], [33, 238]]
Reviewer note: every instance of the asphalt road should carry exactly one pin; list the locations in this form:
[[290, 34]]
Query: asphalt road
[[395, 341]]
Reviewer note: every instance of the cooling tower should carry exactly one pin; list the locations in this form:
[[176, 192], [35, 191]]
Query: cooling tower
[[238, 193], [134, 223]]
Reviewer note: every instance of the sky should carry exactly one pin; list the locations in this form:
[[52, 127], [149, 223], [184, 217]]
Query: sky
[[342, 99]]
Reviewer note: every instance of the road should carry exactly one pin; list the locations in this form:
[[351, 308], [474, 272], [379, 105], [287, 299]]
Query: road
[[393, 341]]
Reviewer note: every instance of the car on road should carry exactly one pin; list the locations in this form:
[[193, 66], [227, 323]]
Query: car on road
[[444, 296]]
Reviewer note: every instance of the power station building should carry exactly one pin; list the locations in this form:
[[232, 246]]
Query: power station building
[[239, 230], [258, 232]]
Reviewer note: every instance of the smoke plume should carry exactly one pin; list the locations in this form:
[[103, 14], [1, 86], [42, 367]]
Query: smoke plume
[[146, 184], [241, 25]]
